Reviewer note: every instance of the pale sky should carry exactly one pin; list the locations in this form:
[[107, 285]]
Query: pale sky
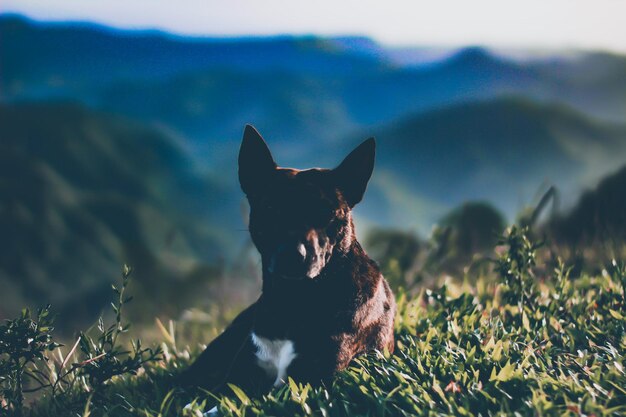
[[541, 24]]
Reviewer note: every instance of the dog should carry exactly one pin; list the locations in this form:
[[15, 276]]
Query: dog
[[323, 300]]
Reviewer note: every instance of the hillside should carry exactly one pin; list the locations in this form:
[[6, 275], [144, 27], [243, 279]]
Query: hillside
[[81, 193], [500, 150]]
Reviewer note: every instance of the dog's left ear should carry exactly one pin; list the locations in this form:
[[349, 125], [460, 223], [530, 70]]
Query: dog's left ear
[[352, 175], [256, 163]]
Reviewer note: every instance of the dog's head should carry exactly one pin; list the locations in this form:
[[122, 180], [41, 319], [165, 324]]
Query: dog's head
[[299, 219]]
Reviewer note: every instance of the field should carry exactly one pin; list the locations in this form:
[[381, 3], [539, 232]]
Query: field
[[526, 337]]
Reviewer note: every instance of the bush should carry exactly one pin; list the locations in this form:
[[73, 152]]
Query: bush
[[469, 230], [26, 344]]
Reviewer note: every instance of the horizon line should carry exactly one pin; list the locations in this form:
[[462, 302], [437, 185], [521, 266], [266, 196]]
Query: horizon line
[[260, 37]]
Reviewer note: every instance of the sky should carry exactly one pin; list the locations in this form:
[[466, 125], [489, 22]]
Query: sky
[[534, 24]]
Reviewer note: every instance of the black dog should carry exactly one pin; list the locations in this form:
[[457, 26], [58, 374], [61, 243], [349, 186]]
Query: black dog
[[323, 300]]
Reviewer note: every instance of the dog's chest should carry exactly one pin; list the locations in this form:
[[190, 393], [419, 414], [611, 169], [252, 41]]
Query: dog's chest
[[274, 356]]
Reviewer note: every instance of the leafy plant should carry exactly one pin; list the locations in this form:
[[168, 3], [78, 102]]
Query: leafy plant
[[24, 341], [515, 267], [105, 358]]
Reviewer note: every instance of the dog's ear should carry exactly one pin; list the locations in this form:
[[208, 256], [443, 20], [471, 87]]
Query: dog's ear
[[255, 161], [352, 175]]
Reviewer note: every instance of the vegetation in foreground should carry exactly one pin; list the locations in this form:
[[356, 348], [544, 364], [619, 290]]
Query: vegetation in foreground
[[526, 338]]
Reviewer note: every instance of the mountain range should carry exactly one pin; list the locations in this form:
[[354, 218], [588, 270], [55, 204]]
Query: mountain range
[[204, 87]]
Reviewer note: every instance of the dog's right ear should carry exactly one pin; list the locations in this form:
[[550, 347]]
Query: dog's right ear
[[354, 172], [255, 161]]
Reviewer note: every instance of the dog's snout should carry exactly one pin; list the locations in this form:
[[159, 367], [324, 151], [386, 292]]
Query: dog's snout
[[302, 256]]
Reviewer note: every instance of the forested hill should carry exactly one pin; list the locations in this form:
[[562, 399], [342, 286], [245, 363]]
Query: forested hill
[[83, 192]]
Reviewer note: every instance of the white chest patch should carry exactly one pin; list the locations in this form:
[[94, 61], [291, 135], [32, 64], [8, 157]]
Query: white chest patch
[[274, 356]]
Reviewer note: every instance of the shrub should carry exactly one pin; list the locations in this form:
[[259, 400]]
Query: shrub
[[26, 343]]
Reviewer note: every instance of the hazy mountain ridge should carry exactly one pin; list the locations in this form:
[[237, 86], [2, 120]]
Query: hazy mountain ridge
[[319, 87], [301, 111], [500, 150], [41, 58]]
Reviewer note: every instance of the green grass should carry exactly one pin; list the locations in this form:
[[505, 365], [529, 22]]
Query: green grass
[[526, 338]]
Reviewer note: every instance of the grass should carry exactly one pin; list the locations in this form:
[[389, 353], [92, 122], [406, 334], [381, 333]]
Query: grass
[[527, 338]]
